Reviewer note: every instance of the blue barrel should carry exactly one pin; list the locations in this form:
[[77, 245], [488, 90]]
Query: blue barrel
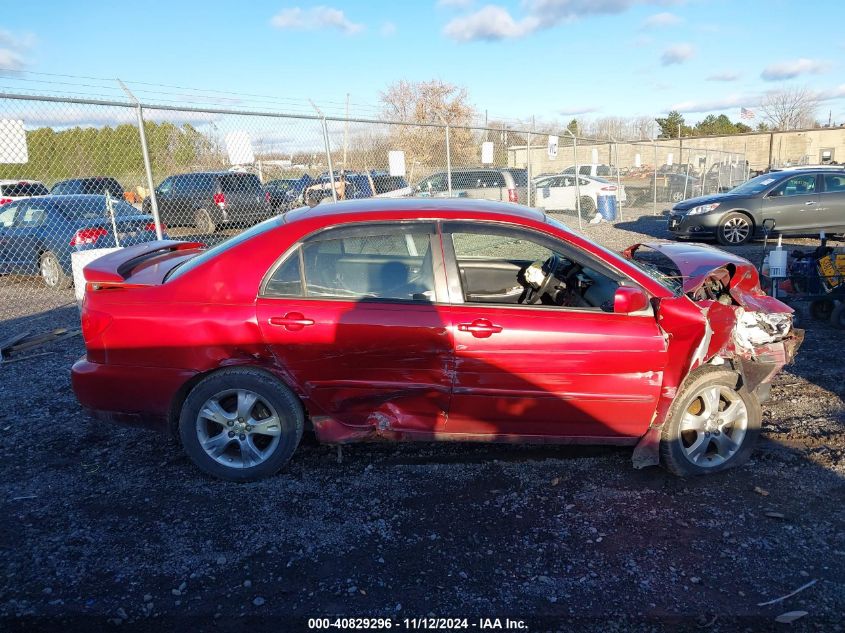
[[607, 207]]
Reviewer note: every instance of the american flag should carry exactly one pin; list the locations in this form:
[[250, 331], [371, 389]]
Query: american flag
[[745, 113]]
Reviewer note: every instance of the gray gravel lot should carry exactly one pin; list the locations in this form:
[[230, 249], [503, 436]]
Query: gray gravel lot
[[105, 526]]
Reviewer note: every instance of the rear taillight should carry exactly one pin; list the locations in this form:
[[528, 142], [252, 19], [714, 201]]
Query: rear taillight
[[87, 236], [267, 197], [608, 188], [151, 226], [4, 201], [513, 195], [220, 199]]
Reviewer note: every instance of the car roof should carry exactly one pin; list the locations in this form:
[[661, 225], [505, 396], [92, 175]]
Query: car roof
[[419, 206], [804, 170]]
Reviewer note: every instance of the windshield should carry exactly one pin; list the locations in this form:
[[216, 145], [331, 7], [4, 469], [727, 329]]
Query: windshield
[[756, 185], [671, 283]]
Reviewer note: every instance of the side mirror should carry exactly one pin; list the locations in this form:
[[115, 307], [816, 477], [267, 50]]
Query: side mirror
[[628, 299]]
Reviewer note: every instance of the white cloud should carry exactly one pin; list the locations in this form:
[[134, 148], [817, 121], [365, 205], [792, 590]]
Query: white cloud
[[584, 109], [489, 23], [661, 20], [315, 18], [793, 68], [13, 50], [726, 75], [495, 22], [388, 29], [677, 54]]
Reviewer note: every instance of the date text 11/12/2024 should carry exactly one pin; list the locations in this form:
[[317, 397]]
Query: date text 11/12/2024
[[429, 624]]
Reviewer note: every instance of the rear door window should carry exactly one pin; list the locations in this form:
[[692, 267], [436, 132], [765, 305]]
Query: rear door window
[[240, 183], [490, 179], [834, 182]]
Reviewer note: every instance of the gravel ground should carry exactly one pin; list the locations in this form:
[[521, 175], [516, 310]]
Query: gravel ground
[[104, 526]]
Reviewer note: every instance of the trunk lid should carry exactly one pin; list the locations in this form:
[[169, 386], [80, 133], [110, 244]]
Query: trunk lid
[[144, 264]]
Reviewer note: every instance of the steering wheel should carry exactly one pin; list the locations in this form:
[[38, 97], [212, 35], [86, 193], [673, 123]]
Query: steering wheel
[[549, 268]]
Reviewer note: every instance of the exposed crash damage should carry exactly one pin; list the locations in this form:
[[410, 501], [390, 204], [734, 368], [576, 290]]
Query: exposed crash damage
[[729, 321]]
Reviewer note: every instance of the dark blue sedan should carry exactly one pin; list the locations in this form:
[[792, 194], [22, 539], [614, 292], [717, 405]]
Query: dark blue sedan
[[38, 235]]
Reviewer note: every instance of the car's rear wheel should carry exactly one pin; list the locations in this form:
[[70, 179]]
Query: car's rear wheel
[[735, 229], [203, 221], [52, 273], [588, 205], [240, 424], [713, 425]]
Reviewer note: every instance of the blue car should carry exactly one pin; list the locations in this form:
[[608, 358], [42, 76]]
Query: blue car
[[38, 235]]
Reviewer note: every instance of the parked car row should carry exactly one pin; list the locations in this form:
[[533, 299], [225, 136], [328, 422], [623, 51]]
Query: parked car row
[[39, 234]]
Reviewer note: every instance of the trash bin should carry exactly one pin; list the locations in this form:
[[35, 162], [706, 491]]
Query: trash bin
[[607, 207]]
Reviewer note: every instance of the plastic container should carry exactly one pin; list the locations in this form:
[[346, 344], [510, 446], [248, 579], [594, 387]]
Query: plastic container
[[777, 264], [607, 207]]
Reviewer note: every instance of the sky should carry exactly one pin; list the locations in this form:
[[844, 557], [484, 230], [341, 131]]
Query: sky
[[551, 59]]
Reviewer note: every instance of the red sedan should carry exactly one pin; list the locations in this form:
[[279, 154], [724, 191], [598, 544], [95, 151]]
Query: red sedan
[[431, 320]]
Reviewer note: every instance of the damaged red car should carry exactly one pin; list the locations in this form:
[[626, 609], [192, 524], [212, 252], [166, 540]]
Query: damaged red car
[[431, 320]]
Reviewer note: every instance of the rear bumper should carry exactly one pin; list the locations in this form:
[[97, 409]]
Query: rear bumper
[[132, 396]]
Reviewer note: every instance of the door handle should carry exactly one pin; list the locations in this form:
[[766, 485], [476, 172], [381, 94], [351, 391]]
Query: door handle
[[292, 321], [811, 202], [480, 328]]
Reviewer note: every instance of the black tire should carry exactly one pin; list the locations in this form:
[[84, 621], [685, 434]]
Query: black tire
[[822, 309], [676, 444], [588, 205], [837, 317], [269, 391], [52, 274], [735, 229], [203, 222]]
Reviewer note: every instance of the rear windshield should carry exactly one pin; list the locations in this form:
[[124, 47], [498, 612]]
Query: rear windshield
[[24, 189], [520, 177], [93, 208], [98, 186], [386, 184], [240, 183], [224, 246]]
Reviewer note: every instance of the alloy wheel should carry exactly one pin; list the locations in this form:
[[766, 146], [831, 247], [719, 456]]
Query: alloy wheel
[[713, 426], [736, 230], [238, 428], [50, 271]]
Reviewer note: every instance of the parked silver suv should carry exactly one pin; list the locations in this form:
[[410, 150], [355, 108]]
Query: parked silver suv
[[507, 184]]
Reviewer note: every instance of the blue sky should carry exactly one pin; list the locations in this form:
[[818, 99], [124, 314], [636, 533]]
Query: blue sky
[[554, 59]]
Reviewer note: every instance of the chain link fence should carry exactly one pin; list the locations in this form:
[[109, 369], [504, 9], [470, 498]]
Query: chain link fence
[[80, 176]]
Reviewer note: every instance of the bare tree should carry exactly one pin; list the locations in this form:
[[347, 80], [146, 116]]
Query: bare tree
[[789, 108], [428, 102]]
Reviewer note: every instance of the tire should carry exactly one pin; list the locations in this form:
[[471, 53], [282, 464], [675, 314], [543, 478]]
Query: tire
[[52, 274], [837, 317], [735, 229], [693, 443], [203, 222], [677, 196], [225, 445], [822, 309], [588, 205]]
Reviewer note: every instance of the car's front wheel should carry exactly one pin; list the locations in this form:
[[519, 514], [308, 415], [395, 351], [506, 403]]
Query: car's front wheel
[[240, 424], [713, 425], [735, 229], [52, 273]]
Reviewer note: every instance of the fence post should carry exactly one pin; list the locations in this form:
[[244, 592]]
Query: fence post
[[448, 162], [618, 179], [528, 170], [577, 186], [686, 177], [329, 156], [654, 202], [145, 153]]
